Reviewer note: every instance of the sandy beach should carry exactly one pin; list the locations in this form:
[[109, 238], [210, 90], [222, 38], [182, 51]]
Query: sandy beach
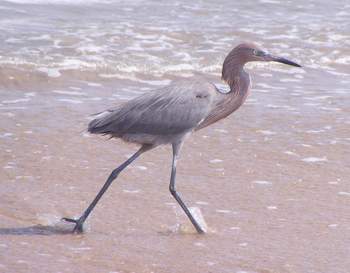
[[271, 181]]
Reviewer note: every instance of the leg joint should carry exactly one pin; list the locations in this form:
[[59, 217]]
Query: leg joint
[[172, 189], [115, 173]]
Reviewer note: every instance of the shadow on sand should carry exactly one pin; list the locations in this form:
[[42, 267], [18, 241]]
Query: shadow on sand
[[37, 230]]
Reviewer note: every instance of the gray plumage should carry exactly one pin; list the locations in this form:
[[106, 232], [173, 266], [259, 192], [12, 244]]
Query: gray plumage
[[167, 115], [157, 116]]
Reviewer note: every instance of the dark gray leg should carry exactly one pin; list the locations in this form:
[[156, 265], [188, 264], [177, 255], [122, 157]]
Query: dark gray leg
[[176, 149], [79, 222]]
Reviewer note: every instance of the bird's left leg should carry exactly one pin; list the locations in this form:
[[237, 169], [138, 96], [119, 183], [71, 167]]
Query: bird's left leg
[[79, 222], [176, 150]]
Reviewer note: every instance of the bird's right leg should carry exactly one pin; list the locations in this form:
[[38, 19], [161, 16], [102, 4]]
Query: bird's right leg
[[79, 222], [176, 150]]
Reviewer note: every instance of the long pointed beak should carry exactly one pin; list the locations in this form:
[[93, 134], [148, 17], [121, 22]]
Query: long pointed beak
[[271, 58]]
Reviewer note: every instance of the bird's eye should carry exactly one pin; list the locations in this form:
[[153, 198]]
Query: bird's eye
[[258, 53]]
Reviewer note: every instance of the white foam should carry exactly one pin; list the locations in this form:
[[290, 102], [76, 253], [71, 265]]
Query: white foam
[[267, 86], [80, 248], [185, 57], [180, 67], [9, 114], [223, 211], [202, 203], [108, 76], [131, 191], [15, 101], [306, 145], [331, 109], [338, 37], [44, 254], [199, 244], [41, 37], [289, 80], [318, 98], [157, 83], [93, 99], [74, 88], [332, 225], [59, 2], [291, 153], [216, 160], [314, 131], [76, 64], [94, 84], [343, 60], [270, 1], [90, 49], [271, 207], [235, 228], [70, 101], [344, 193], [221, 131], [333, 182], [266, 132], [30, 94], [262, 182], [72, 93], [312, 104], [13, 40], [315, 159], [6, 135]]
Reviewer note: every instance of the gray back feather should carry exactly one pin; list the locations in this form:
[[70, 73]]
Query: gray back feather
[[177, 108]]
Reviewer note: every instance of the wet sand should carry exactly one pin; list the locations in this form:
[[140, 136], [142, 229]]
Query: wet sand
[[271, 180], [272, 187]]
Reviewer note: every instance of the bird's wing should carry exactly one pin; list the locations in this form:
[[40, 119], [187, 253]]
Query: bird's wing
[[174, 109]]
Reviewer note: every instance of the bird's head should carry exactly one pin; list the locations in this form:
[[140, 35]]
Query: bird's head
[[247, 52]]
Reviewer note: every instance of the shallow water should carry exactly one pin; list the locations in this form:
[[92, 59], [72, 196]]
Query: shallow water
[[271, 181]]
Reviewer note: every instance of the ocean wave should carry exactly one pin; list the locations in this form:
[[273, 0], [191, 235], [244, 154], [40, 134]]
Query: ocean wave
[[61, 2], [78, 41]]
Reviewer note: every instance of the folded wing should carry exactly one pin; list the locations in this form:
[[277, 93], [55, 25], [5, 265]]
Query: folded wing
[[175, 109]]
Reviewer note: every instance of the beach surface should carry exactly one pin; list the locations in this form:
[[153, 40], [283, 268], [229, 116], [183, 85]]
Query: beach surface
[[271, 180]]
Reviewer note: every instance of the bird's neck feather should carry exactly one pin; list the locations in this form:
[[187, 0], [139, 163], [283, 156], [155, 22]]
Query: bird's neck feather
[[239, 89], [229, 102], [239, 81]]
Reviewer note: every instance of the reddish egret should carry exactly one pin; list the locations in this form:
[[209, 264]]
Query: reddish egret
[[167, 115]]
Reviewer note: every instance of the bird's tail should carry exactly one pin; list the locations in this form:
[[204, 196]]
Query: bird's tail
[[100, 124]]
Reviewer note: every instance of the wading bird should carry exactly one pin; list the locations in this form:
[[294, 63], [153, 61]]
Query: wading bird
[[168, 115]]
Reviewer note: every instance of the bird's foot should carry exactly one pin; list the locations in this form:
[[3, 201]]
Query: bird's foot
[[200, 230], [78, 228]]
